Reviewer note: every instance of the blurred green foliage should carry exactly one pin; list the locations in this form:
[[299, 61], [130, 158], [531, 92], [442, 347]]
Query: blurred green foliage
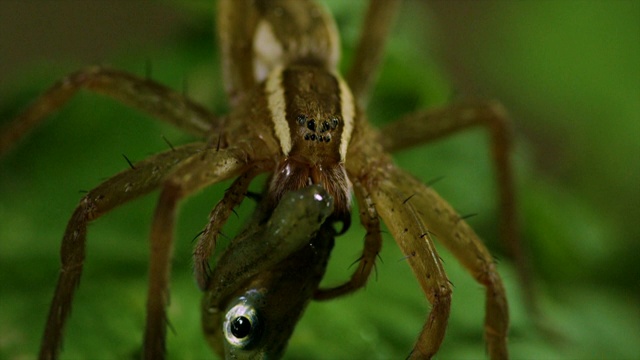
[[568, 72]]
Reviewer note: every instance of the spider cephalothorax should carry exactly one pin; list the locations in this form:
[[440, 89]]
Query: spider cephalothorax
[[313, 114]]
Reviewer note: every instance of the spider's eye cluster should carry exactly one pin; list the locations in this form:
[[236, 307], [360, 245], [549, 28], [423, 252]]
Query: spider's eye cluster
[[242, 326], [318, 130]]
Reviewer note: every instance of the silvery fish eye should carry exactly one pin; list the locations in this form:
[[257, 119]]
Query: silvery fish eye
[[242, 325]]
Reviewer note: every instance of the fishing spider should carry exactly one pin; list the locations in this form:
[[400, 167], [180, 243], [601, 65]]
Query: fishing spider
[[291, 115]]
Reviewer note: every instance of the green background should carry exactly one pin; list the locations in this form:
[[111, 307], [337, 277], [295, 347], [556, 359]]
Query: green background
[[566, 70]]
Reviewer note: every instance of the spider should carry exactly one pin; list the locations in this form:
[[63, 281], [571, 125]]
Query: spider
[[292, 115]]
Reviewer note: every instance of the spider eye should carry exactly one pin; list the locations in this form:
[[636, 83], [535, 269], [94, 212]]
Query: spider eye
[[241, 326], [311, 125]]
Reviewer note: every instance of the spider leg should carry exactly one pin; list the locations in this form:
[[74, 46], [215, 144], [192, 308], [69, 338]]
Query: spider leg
[[370, 50], [142, 94], [188, 168], [408, 228], [161, 241], [123, 187], [372, 245], [206, 168], [218, 217], [296, 218], [236, 25], [425, 126], [423, 204]]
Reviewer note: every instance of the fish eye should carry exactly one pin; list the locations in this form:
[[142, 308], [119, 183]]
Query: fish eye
[[241, 326]]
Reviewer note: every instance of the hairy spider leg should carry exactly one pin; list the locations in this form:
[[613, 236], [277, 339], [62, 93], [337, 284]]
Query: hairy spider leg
[[372, 245], [160, 102], [414, 239], [121, 188], [190, 168], [218, 217], [426, 126], [145, 95], [425, 205], [206, 168], [161, 251], [369, 53]]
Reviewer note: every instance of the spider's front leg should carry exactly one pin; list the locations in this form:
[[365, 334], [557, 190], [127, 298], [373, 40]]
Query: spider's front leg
[[425, 126], [208, 167], [142, 94], [218, 217], [146, 176], [161, 241], [163, 103], [372, 245], [415, 241], [406, 205], [180, 172]]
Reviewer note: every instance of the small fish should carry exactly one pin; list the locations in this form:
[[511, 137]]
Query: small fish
[[267, 276]]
